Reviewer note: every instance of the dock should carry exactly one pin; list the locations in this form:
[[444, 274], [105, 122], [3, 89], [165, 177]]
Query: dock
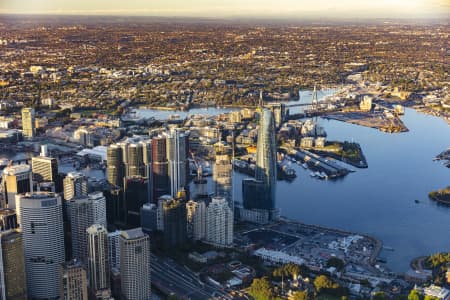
[[316, 162]]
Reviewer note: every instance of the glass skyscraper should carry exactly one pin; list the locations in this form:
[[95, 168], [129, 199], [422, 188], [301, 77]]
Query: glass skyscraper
[[260, 192]]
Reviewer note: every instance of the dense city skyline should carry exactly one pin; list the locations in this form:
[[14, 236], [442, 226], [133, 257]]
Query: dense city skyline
[[203, 150], [289, 9]]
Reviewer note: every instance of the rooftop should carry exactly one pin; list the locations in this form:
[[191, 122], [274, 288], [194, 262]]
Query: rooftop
[[16, 169], [134, 233]]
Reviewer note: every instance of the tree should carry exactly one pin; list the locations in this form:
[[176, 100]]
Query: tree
[[300, 295], [322, 282], [261, 289], [427, 297], [335, 262], [288, 270], [415, 295]]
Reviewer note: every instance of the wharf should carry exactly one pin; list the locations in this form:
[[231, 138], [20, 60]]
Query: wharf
[[314, 161], [376, 120]]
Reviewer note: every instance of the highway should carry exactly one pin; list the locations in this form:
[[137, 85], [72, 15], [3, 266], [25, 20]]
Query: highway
[[169, 277]]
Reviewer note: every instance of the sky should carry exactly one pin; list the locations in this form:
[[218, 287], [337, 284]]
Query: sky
[[236, 8]]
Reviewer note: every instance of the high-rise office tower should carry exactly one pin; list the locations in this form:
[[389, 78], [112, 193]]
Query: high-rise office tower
[[174, 218], [149, 216], [114, 250], [260, 193], [115, 166], [160, 168], [136, 195], [8, 219], [222, 177], [148, 166], [177, 154], [196, 219], [135, 264], [98, 265], [28, 122], [160, 211], [41, 222], [13, 284], [219, 223], [16, 179], [266, 155], [135, 160], [44, 168], [147, 157], [75, 184], [83, 212], [73, 281], [115, 207]]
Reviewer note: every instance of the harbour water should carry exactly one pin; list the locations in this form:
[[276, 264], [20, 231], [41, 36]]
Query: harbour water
[[165, 114], [379, 200]]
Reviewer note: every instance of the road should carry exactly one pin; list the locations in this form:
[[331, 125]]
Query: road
[[170, 277]]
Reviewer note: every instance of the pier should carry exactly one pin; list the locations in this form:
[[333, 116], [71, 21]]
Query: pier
[[314, 161]]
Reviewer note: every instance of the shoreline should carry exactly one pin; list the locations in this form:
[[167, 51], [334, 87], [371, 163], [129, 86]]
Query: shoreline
[[378, 243], [417, 263], [407, 104]]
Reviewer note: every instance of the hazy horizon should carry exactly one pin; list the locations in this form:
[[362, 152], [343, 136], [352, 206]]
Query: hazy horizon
[[264, 9]]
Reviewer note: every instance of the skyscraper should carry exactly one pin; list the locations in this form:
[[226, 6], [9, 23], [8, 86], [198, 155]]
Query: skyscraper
[[8, 219], [219, 223], [115, 165], [177, 154], [136, 195], [114, 249], [135, 160], [73, 281], [44, 168], [16, 179], [28, 122], [98, 265], [135, 264], [149, 215], [115, 207], [13, 284], [82, 212], [75, 184], [266, 155], [41, 221], [196, 219], [147, 157], [174, 218], [222, 177], [160, 168], [260, 192]]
